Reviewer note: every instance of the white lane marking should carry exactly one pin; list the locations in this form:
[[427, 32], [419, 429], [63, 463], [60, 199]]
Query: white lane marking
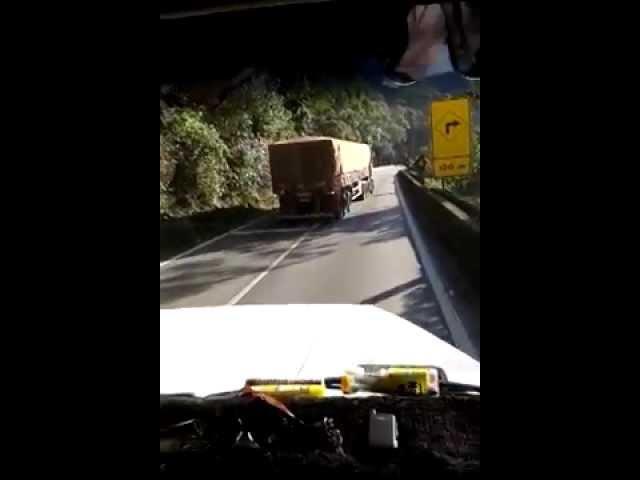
[[209, 242], [277, 261], [242, 227], [453, 321]]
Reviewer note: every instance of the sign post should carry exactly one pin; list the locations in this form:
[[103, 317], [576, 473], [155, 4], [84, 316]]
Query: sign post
[[451, 137]]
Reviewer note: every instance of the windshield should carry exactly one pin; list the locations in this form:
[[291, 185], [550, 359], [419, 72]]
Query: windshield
[[319, 237], [321, 155]]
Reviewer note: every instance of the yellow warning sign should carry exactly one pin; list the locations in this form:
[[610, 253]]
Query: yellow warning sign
[[451, 128], [451, 167]]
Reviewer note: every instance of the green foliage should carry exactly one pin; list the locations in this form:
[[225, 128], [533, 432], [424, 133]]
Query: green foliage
[[218, 158], [254, 111], [167, 171], [251, 117], [167, 162], [166, 201], [249, 172], [200, 158], [351, 112]]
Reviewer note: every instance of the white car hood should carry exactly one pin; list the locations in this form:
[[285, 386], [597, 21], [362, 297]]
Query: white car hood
[[215, 349]]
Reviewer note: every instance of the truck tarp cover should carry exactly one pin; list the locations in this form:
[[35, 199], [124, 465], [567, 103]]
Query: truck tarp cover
[[309, 161]]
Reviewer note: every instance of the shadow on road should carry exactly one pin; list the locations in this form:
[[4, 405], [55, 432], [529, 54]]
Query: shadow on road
[[457, 264], [379, 226], [419, 306], [392, 292], [178, 235], [189, 281], [215, 263], [204, 271], [250, 253]]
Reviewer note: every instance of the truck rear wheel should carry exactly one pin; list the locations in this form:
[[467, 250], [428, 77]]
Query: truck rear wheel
[[344, 206], [341, 212]]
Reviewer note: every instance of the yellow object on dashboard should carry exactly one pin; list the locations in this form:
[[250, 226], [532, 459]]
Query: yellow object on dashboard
[[284, 391], [393, 381]]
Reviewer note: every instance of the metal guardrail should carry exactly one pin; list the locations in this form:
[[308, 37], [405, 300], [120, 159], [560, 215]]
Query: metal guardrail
[[469, 208], [438, 217], [473, 211]]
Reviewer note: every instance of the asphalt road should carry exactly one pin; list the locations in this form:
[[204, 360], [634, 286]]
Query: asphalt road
[[366, 258]]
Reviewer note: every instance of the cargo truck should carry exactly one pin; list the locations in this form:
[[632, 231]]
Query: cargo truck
[[320, 175]]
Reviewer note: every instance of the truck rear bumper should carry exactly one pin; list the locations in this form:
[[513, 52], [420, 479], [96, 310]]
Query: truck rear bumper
[[308, 216], [304, 206]]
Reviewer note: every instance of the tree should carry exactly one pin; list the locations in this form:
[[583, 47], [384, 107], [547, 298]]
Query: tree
[[200, 159], [167, 172], [254, 110], [250, 118], [218, 158], [351, 111]]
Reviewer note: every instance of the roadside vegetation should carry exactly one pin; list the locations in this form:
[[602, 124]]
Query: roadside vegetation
[[215, 157]]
